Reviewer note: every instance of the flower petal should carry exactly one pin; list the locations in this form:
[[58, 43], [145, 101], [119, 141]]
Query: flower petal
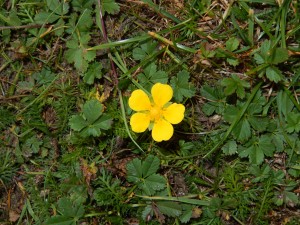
[[161, 93], [139, 122], [174, 113], [162, 130], [139, 101]]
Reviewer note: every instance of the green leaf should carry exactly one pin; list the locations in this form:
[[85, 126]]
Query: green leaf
[[172, 209], [147, 211], [258, 123], [259, 58], [79, 56], [265, 51], [293, 122], [212, 93], [187, 214], [77, 123], [150, 165], [93, 72], [155, 182], [255, 155], [290, 197], [134, 170], [235, 85], [280, 55], [60, 220], [181, 86], [44, 77], [45, 17], [242, 130], [144, 51], [92, 121], [216, 100], [230, 148], [71, 213], [92, 110], [230, 114], [152, 76], [103, 123], [232, 44], [232, 61], [284, 103], [67, 208], [33, 144], [60, 8], [110, 6], [257, 149], [273, 74], [81, 5], [85, 21], [266, 145]]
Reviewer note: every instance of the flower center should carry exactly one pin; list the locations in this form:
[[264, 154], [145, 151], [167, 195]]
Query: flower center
[[155, 112]]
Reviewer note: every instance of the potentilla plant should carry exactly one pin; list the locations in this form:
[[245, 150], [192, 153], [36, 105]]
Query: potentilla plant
[[155, 112]]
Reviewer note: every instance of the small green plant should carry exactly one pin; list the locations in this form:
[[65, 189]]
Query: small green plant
[[268, 57], [92, 120], [70, 213]]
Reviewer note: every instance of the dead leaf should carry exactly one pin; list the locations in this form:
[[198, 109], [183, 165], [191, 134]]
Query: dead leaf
[[13, 216]]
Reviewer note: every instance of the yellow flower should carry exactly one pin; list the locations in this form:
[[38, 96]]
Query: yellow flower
[[156, 112]]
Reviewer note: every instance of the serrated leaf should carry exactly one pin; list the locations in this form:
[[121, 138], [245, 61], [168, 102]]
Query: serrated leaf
[[152, 76], [146, 212], [45, 17], [235, 85], [110, 6], [155, 182], [232, 44], [230, 148], [80, 57], [232, 61], [103, 123], [211, 93], [77, 123], [138, 54], [181, 86], [258, 123], [44, 77], [280, 55], [92, 110], [150, 165], [85, 21], [242, 130], [273, 74], [257, 149], [266, 145], [290, 197], [284, 103], [278, 141], [80, 5], [186, 214], [259, 58], [256, 156], [67, 208], [230, 114], [33, 144], [172, 209], [134, 170], [144, 51], [93, 72], [60, 220], [60, 8], [293, 122]]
